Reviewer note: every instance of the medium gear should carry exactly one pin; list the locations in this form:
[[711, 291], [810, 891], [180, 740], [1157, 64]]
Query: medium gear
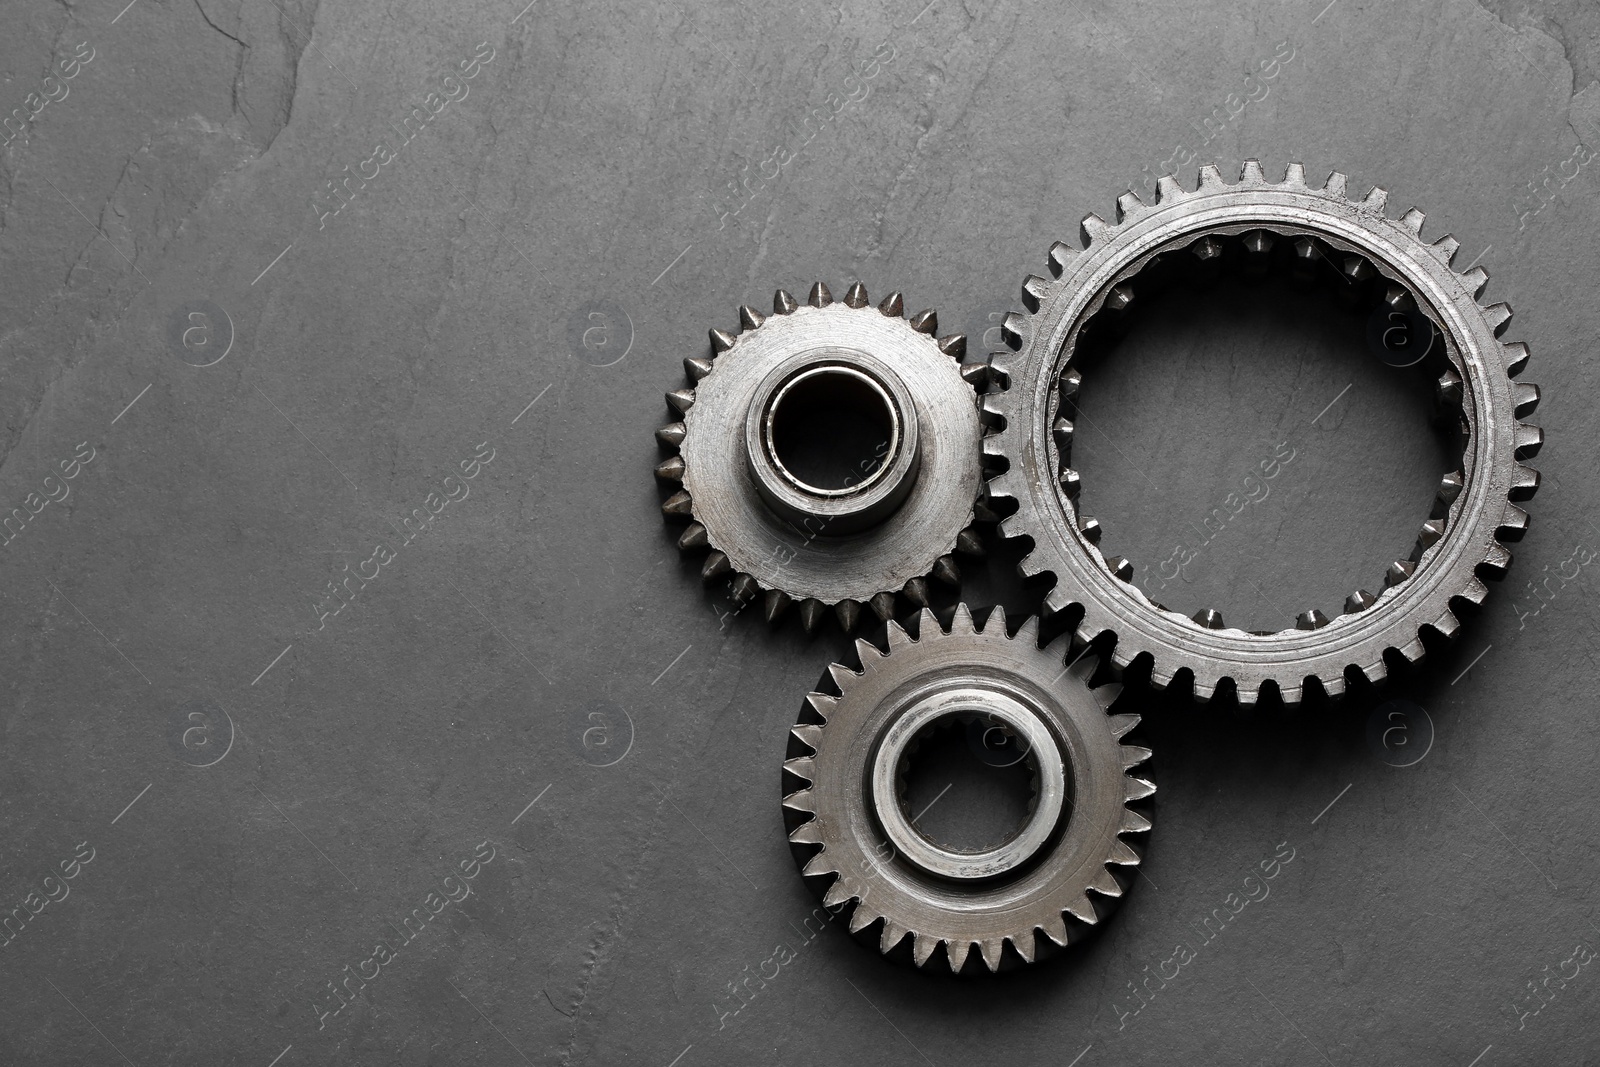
[[930, 905], [771, 525], [1316, 231]]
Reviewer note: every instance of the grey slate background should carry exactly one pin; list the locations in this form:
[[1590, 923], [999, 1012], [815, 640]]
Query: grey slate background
[[543, 626]]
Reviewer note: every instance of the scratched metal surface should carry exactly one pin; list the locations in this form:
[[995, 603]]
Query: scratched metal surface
[[523, 750]]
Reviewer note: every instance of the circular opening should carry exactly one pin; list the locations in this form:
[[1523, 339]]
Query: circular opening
[[968, 782], [832, 430], [1257, 429]]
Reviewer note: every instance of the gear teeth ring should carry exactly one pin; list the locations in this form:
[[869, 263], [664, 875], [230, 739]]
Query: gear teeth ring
[[1324, 228], [862, 546], [1048, 885]]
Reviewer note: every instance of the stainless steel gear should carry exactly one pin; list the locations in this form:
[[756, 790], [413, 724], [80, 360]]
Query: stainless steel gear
[[922, 901], [1323, 231], [767, 523]]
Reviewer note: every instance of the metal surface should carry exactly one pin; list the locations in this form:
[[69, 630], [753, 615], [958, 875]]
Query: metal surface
[[1319, 232], [924, 902], [893, 522]]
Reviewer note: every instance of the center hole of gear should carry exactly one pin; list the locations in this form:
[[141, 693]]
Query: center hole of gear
[[831, 429], [1243, 438], [968, 782]]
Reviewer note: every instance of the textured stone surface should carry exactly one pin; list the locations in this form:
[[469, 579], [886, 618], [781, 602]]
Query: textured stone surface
[[303, 781]]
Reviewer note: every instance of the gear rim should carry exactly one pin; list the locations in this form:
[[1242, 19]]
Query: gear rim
[[1477, 501], [1021, 916], [744, 520]]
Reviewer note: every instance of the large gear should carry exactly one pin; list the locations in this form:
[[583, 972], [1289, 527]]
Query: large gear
[[883, 530], [1054, 880], [1317, 230]]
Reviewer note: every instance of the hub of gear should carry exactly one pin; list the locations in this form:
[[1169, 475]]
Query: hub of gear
[[1314, 233], [1047, 885], [774, 521]]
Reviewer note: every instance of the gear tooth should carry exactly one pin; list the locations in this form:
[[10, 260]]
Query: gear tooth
[[1376, 673], [822, 704], [922, 947], [1516, 357], [1124, 854], [1093, 228], [1294, 175], [800, 801], [1054, 930], [1429, 534], [811, 612], [1450, 488], [1091, 530], [1133, 823], [882, 605], [1084, 666], [848, 612], [1209, 618], [954, 346], [1129, 206], [1011, 328], [721, 341], [1028, 632], [1121, 658], [990, 948], [694, 538], [671, 435], [820, 297], [1499, 315], [1061, 255], [842, 676], [1412, 650], [899, 638], [1023, 945], [893, 305], [716, 564], [783, 303], [893, 933], [696, 367], [1104, 884], [1446, 248], [749, 318], [1475, 280], [807, 833], [1310, 620], [819, 866], [1376, 200], [995, 624], [1524, 483], [1034, 291], [743, 589], [1529, 439], [1497, 560], [962, 622], [1133, 755], [1247, 693], [916, 591], [1335, 185], [1334, 686], [969, 543], [1071, 483], [1121, 567], [956, 952], [976, 375], [1106, 695], [1168, 190], [1210, 178], [670, 470], [1121, 725], [1525, 396], [1447, 624], [777, 603], [946, 571], [809, 735], [681, 400], [1082, 910], [1250, 173], [1119, 299], [1412, 220], [1474, 592], [861, 918], [925, 321], [836, 895], [856, 296], [1360, 600], [1449, 388], [678, 505], [1137, 788], [1398, 571], [1513, 524]]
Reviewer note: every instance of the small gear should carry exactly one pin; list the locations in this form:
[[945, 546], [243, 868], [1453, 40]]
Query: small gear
[[1311, 232], [773, 522], [1050, 883]]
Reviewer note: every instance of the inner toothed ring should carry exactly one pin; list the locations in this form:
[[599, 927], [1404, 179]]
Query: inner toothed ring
[[1254, 252]]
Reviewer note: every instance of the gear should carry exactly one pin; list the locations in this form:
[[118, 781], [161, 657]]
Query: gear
[[769, 518], [915, 899], [1316, 231]]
